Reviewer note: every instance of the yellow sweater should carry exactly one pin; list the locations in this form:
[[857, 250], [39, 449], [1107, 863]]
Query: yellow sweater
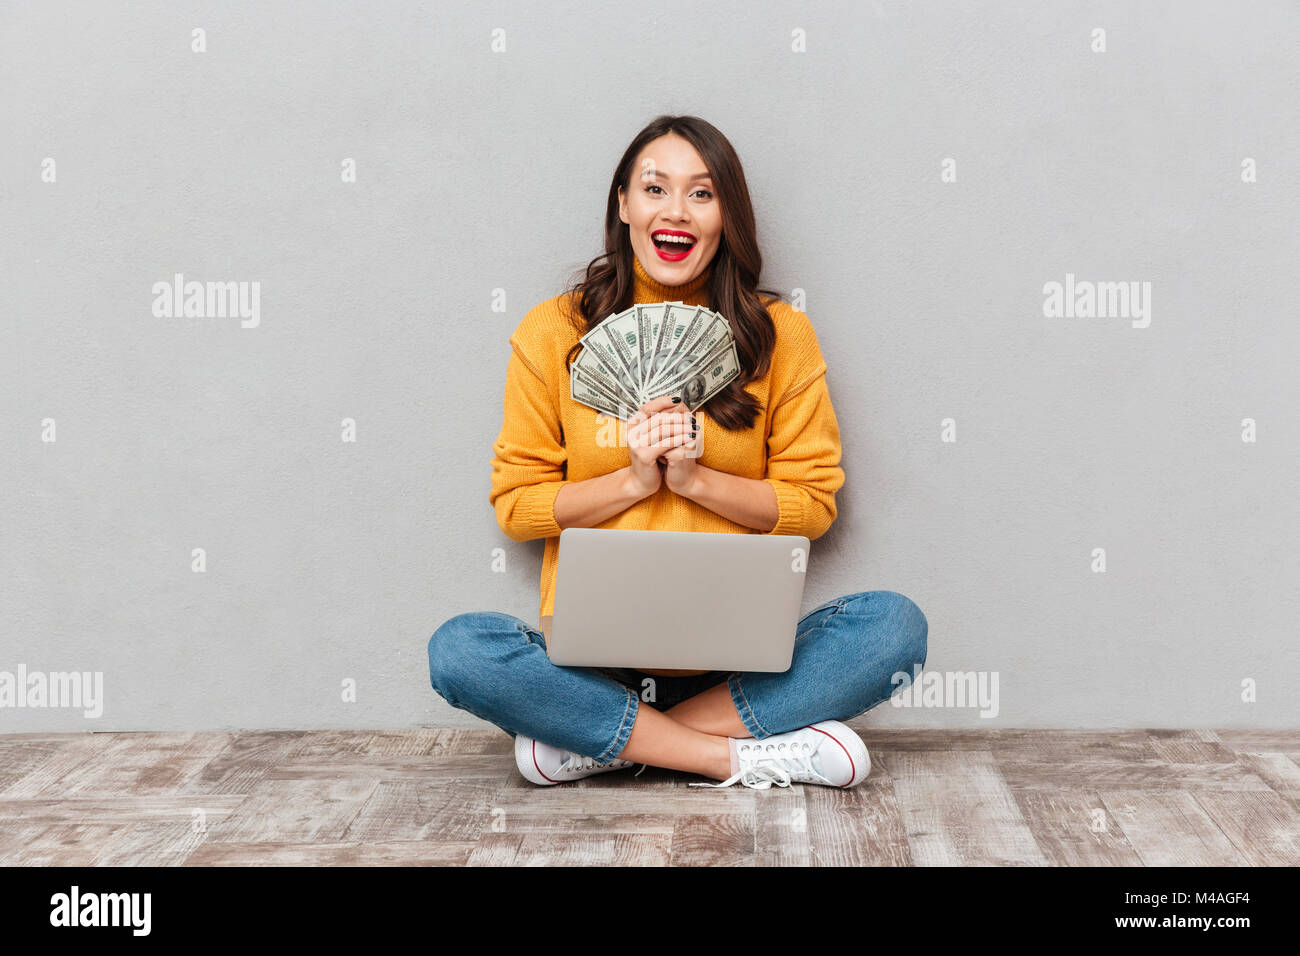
[[547, 438]]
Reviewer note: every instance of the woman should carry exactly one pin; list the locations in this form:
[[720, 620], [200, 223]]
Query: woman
[[770, 465]]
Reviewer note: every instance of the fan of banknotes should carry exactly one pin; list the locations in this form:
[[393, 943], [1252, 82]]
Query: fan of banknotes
[[664, 348]]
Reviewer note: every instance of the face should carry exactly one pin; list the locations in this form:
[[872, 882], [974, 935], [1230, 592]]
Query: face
[[671, 193]]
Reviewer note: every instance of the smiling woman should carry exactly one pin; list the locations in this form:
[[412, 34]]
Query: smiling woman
[[679, 227], [670, 180], [679, 212]]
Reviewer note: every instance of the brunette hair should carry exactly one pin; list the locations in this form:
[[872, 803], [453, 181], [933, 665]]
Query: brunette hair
[[606, 286]]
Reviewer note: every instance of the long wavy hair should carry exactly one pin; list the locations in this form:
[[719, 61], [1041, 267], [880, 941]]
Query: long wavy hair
[[607, 284]]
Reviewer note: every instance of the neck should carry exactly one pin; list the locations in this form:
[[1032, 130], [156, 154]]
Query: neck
[[646, 289]]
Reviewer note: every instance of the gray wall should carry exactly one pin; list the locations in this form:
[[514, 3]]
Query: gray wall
[[477, 170]]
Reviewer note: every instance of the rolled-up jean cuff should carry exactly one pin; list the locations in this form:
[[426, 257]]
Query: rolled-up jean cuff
[[744, 710], [624, 730]]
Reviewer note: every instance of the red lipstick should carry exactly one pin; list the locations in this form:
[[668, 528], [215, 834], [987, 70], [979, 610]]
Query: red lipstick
[[671, 251]]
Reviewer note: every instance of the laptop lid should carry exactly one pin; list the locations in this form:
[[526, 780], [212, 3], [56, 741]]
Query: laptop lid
[[685, 600]]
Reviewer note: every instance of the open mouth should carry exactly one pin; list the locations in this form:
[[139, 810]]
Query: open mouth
[[671, 244]]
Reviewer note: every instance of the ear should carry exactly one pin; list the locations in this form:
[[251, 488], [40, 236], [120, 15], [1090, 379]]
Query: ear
[[622, 206]]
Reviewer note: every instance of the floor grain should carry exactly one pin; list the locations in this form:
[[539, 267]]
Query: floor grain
[[454, 798]]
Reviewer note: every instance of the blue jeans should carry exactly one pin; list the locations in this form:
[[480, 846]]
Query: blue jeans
[[846, 653]]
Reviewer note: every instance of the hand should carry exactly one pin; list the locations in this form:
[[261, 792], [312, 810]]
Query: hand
[[657, 428], [683, 468]]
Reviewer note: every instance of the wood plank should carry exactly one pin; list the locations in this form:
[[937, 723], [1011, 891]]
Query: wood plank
[[115, 811], [449, 742], [1170, 829], [1190, 746], [705, 839], [241, 765], [45, 776], [136, 763], [296, 811], [547, 821], [1130, 743], [566, 798], [153, 844], [329, 745], [492, 767], [958, 810], [417, 853], [863, 826], [496, 849], [1102, 771], [1264, 827], [1277, 770], [781, 827], [59, 844], [1074, 828], [585, 849], [454, 811], [22, 753], [454, 797], [1268, 741]]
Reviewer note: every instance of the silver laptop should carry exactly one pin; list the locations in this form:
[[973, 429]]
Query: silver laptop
[[677, 599]]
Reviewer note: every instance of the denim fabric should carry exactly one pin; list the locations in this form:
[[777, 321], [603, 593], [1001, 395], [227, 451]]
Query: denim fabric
[[846, 652]]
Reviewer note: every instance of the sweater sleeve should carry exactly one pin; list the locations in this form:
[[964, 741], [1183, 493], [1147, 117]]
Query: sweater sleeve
[[803, 452], [529, 458]]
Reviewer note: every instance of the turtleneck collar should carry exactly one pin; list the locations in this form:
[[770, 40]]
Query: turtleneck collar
[[646, 289]]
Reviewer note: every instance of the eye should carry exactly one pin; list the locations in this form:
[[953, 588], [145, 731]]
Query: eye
[[707, 193]]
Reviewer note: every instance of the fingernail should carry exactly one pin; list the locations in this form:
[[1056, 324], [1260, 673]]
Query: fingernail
[[676, 399], [693, 421]]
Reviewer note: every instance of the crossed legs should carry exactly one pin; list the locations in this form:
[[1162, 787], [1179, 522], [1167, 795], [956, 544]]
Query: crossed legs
[[691, 736], [848, 656]]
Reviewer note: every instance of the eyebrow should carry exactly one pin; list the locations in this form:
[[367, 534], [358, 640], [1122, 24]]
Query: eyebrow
[[689, 179]]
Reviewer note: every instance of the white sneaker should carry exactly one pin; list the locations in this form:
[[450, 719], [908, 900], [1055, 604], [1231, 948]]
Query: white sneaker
[[544, 765], [826, 753]]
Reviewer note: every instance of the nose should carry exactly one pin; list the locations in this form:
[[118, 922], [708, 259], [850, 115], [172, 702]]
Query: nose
[[677, 219]]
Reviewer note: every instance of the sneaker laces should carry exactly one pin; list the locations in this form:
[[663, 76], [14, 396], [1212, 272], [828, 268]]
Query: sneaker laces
[[579, 762], [780, 764], [576, 762]]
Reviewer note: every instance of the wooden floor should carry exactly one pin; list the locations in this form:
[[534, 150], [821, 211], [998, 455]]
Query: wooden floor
[[422, 797]]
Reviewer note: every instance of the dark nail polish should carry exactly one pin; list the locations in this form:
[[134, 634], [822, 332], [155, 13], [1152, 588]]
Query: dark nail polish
[[693, 421], [676, 399]]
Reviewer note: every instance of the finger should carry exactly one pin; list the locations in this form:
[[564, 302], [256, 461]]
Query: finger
[[668, 444], [684, 415], [668, 422], [685, 450], [659, 425], [658, 405], [672, 434], [641, 423], [646, 413]]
